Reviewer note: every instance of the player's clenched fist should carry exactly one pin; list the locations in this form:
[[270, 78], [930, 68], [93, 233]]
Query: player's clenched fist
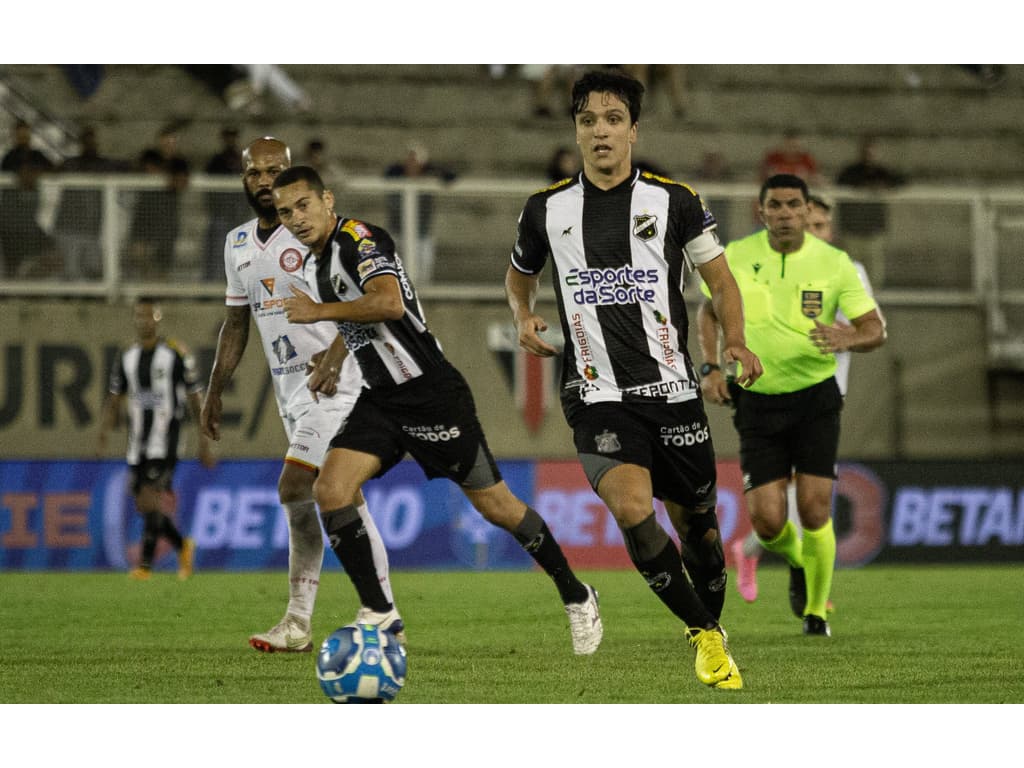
[[300, 308]]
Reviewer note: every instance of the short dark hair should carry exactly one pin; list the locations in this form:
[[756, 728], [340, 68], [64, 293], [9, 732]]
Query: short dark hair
[[626, 87], [819, 201], [781, 181], [298, 173]]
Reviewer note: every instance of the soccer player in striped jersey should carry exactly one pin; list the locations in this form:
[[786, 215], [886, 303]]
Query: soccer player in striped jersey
[[620, 243], [156, 378], [314, 387], [415, 401]]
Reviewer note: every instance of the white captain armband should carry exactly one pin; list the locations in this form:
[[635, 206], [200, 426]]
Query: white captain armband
[[703, 248]]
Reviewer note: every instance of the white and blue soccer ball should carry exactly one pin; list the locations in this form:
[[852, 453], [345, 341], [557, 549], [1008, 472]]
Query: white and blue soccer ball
[[361, 664]]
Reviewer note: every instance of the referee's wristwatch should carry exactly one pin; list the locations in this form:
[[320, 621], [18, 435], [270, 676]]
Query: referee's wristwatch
[[707, 368]]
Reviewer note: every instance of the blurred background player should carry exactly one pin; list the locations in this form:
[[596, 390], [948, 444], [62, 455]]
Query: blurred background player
[[261, 261], [157, 377], [747, 552]]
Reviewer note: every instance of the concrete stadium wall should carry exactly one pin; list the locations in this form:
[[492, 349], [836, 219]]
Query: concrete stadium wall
[[921, 396]]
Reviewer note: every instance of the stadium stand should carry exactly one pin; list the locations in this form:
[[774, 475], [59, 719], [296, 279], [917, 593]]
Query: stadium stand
[[943, 128]]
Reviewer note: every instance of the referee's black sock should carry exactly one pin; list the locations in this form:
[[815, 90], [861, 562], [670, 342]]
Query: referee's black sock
[[351, 544], [656, 557], [536, 538]]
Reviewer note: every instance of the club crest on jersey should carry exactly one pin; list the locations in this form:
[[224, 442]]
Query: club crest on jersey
[[291, 260], [356, 229], [608, 442], [645, 226], [810, 303]]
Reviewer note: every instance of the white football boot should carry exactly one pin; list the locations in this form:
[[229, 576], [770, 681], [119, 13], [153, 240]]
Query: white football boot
[[390, 621], [585, 624], [290, 635]]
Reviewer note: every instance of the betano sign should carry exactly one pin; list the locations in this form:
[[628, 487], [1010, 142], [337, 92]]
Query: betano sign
[[76, 515]]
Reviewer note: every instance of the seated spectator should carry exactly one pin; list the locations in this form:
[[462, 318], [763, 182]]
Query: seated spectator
[[791, 157], [330, 171], [226, 209], [79, 220], [564, 163], [153, 233], [416, 165], [25, 248], [671, 76], [864, 223]]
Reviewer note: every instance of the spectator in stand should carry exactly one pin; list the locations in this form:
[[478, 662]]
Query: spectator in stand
[[84, 78], [225, 208], [316, 157], [864, 224], [673, 76], [79, 221], [26, 250], [227, 161], [23, 155], [271, 78], [564, 164], [227, 82], [547, 82], [417, 165], [714, 167], [791, 157], [153, 233]]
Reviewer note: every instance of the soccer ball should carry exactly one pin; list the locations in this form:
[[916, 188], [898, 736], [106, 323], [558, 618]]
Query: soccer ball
[[361, 664]]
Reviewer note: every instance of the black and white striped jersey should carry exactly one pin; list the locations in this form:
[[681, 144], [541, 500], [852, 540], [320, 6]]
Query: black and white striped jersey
[[156, 383], [619, 260], [389, 352]]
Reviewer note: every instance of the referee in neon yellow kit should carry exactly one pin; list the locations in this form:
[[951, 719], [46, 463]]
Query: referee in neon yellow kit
[[792, 285]]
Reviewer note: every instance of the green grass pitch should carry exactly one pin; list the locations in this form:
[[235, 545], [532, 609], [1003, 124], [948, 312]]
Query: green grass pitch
[[905, 634]]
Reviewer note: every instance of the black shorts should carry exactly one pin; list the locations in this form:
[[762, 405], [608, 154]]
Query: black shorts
[[433, 419], [795, 431], [671, 440], [155, 472]]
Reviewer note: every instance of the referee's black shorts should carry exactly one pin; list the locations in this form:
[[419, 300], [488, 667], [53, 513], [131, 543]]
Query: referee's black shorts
[[795, 431], [432, 418]]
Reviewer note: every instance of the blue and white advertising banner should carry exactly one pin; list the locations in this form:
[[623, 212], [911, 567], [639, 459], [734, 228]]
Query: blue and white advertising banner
[[78, 515]]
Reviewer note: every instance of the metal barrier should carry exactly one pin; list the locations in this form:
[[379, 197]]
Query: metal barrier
[[112, 236]]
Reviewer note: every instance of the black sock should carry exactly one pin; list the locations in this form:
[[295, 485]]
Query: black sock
[[150, 533], [536, 538], [170, 531], [656, 557], [705, 561], [351, 544]]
